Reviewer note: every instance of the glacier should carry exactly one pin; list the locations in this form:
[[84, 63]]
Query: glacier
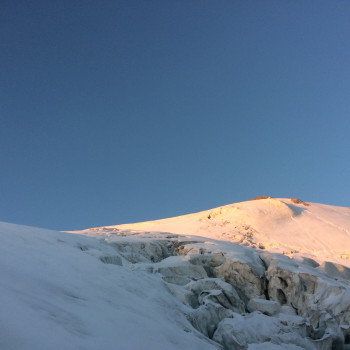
[[264, 274]]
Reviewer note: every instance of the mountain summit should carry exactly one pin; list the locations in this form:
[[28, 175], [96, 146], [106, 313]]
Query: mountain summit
[[280, 225]]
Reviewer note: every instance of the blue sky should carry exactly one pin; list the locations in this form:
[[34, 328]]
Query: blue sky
[[123, 111]]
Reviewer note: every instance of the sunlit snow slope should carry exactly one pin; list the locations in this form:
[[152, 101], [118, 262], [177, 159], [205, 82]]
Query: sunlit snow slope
[[283, 225]]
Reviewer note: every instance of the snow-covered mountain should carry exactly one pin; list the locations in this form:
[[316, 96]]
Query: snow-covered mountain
[[263, 274], [284, 225], [280, 225]]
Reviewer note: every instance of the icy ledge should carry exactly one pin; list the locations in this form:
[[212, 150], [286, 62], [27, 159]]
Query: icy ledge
[[247, 299]]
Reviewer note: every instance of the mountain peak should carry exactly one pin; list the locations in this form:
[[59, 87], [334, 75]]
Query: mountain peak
[[280, 225]]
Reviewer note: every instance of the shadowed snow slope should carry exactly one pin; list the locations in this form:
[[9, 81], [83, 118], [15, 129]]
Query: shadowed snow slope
[[56, 293], [317, 231]]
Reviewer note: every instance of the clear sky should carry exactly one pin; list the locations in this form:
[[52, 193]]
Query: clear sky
[[124, 111]]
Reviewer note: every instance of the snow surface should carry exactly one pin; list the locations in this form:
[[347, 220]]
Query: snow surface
[[56, 292]]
